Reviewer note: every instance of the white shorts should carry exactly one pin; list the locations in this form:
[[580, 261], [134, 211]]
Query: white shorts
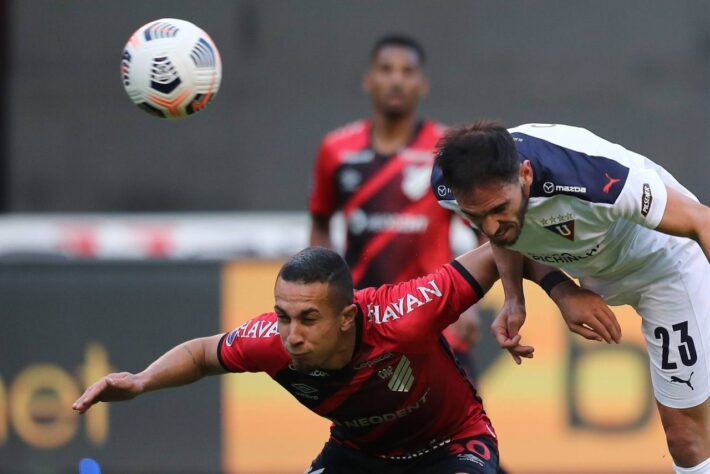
[[673, 300]]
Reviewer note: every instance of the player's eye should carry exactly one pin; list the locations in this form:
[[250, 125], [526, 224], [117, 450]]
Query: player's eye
[[474, 220]]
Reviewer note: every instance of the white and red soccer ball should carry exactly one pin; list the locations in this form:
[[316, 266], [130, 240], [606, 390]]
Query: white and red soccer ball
[[171, 68]]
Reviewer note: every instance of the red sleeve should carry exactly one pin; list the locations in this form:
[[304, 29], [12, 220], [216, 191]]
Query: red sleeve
[[255, 346], [425, 305], [323, 199]]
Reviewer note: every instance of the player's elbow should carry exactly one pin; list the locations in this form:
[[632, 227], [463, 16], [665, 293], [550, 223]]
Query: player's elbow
[[205, 360], [698, 222]]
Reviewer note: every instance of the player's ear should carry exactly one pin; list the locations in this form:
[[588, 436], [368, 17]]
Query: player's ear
[[526, 173], [348, 317]]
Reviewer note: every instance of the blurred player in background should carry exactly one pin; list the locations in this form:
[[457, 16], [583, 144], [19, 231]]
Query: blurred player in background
[[372, 361], [377, 172], [616, 220]]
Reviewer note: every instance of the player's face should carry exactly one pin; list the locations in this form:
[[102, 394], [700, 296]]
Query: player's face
[[395, 81], [312, 332], [498, 208]]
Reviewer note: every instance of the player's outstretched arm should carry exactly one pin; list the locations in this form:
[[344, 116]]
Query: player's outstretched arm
[[482, 264], [181, 365], [506, 326], [685, 217]]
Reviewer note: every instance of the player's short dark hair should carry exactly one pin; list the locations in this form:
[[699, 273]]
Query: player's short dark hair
[[321, 265], [477, 154], [400, 41]]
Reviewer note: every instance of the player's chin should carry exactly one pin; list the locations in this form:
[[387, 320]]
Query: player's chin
[[395, 109], [301, 364], [507, 238]]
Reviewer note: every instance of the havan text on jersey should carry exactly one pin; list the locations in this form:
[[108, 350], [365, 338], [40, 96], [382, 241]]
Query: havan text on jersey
[[403, 305]]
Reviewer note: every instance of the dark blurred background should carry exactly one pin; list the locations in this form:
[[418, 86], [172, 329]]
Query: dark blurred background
[[635, 72]]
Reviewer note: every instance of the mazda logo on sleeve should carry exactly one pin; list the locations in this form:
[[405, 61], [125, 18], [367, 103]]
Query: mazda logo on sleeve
[[548, 187]]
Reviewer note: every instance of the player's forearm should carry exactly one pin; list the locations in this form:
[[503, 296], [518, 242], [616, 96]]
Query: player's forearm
[[510, 268], [181, 365], [555, 283]]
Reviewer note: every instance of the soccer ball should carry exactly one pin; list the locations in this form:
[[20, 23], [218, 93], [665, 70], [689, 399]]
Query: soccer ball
[[171, 68]]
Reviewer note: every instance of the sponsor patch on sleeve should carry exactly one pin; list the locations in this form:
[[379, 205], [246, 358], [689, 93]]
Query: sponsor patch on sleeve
[[646, 199]]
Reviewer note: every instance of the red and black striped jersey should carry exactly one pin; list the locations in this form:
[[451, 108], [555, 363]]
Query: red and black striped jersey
[[402, 392], [395, 228]]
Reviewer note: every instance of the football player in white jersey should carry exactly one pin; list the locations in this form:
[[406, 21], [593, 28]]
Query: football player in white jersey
[[612, 218]]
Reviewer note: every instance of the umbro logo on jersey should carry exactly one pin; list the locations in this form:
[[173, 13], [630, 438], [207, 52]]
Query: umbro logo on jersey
[[675, 379], [403, 377], [303, 388], [306, 391], [612, 182]]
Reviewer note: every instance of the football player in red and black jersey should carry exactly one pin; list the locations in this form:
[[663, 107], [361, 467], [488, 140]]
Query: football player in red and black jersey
[[371, 361], [376, 171]]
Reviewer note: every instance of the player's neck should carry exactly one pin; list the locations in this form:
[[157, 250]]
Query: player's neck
[[391, 135]]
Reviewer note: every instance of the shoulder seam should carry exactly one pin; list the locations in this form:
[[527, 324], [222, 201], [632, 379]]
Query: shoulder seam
[[219, 353], [469, 278]]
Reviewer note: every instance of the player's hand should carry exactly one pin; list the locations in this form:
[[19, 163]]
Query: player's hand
[[112, 388], [586, 313], [506, 327]]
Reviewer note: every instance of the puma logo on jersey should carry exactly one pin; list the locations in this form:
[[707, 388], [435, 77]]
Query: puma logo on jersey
[[612, 181], [675, 379]]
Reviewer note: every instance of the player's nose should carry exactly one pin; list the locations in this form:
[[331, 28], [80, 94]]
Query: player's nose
[[490, 225], [295, 335]]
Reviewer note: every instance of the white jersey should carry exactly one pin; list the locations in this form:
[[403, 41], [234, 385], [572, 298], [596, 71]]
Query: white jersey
[[593, 204], [592, 212]]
